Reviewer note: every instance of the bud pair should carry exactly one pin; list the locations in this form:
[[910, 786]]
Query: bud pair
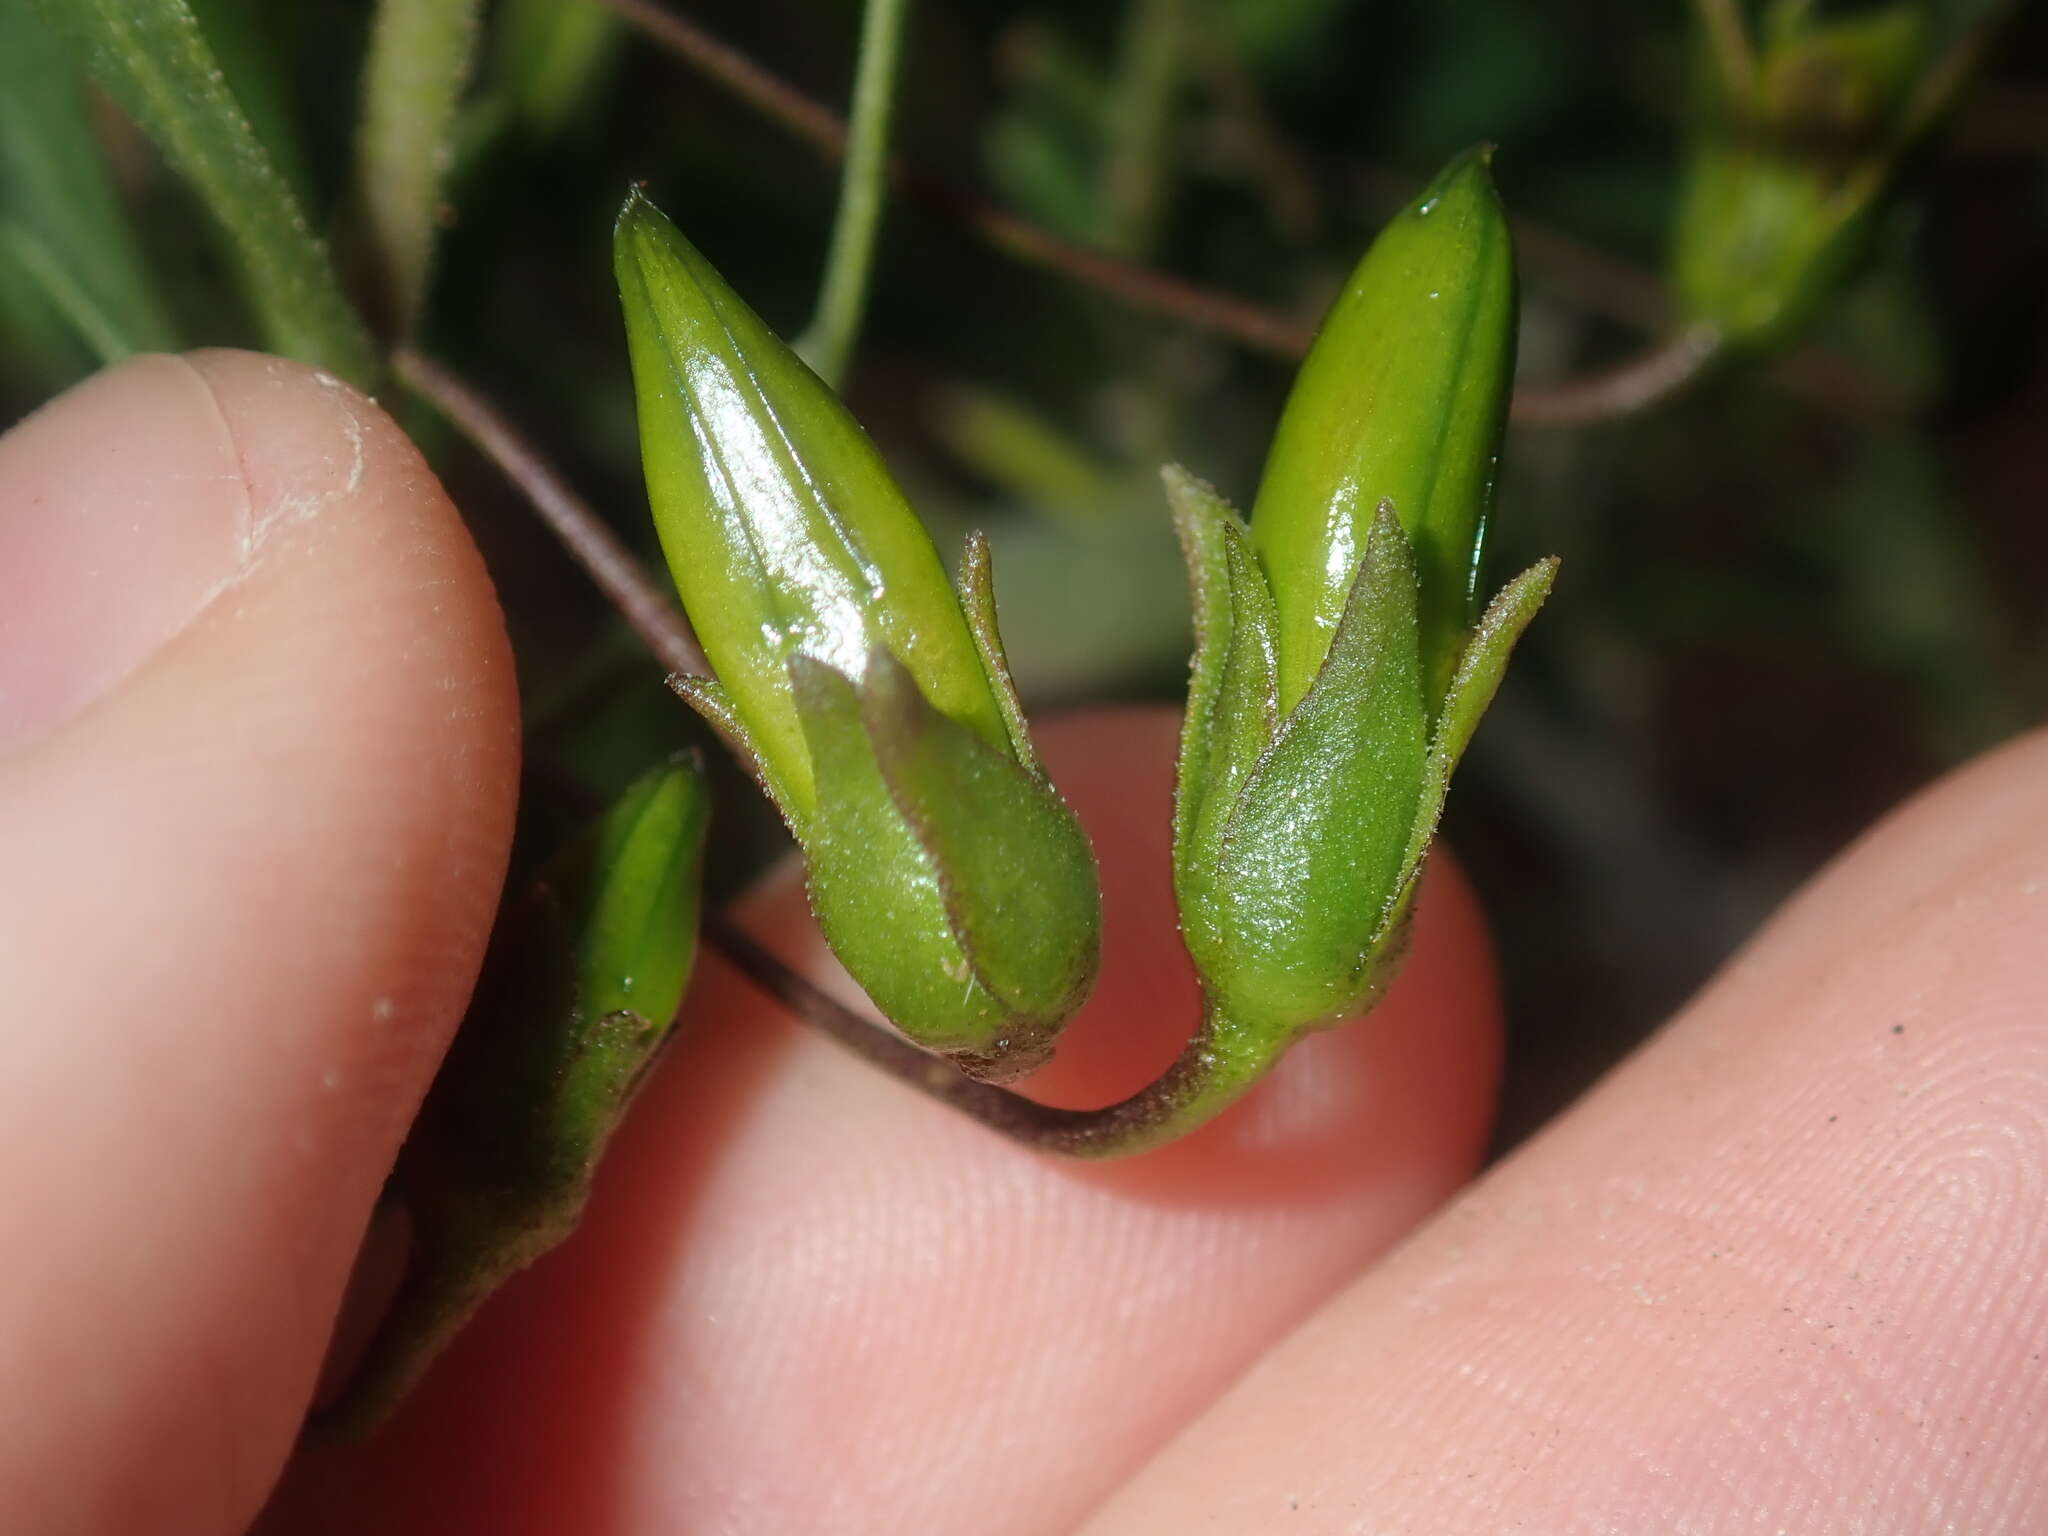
[[873, 703]]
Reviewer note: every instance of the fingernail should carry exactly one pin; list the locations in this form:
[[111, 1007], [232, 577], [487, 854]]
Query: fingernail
[[123, 510]]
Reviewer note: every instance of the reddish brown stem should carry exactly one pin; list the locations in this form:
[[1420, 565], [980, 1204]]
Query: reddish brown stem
[[615, 569]]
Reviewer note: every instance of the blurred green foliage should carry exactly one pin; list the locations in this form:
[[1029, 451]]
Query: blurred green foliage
[[1788, 597]]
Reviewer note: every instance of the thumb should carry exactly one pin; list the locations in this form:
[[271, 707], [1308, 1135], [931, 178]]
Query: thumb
[[258, 753]]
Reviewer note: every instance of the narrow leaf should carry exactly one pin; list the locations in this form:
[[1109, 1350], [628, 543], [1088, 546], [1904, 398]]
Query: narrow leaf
[[421, 55], [152, 58], [60, 220]]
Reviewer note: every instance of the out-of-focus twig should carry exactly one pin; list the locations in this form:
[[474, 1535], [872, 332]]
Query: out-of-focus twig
[[618, 573], [826, 130], [1621, 391]]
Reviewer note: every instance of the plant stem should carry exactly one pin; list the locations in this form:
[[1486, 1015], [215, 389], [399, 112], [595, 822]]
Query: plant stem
[[1197, 1086], [849, 261], [421, 53], [1635, 385], [641, 601]]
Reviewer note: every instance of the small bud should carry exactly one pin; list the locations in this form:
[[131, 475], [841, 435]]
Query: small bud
[[876, 706], [1793, 150], [579, 992], [1337, 675]]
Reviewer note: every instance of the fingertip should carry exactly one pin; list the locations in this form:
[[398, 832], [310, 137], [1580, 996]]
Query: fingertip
[[246, 891]]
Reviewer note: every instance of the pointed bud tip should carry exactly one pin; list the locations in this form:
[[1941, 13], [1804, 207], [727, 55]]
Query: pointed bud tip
[[1464, 187]]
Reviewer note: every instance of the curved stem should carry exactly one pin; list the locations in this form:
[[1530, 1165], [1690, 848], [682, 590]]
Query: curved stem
[[615, 569], [1199, 1084], [1633, 386], [842, 297]]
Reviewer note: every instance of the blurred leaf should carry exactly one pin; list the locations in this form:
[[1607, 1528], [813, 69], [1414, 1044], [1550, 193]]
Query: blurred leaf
[[152, 58], [61, 226], [550, 57], [421, 53]]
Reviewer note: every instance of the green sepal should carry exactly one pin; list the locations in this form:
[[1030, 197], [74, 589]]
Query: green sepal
[[784, 531], [1480, 670], [1233, 703], [953, 883], [707, 696], [1403, 398], [1310, 860], [978, 603], [578, 994]]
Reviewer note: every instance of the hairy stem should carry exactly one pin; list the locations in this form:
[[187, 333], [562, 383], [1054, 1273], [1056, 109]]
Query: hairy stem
[[849, 261]]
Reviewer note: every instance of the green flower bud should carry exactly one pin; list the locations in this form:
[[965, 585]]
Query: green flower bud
[[875, 704], [1403, 398], [1337, 675], [579, 992], [1792, 153]]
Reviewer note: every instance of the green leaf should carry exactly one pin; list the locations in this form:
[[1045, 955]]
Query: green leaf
[[783, 529], [578, 995], [60, 221], [1311, 859], [421, 54], [152, 59], [1403, 398]]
